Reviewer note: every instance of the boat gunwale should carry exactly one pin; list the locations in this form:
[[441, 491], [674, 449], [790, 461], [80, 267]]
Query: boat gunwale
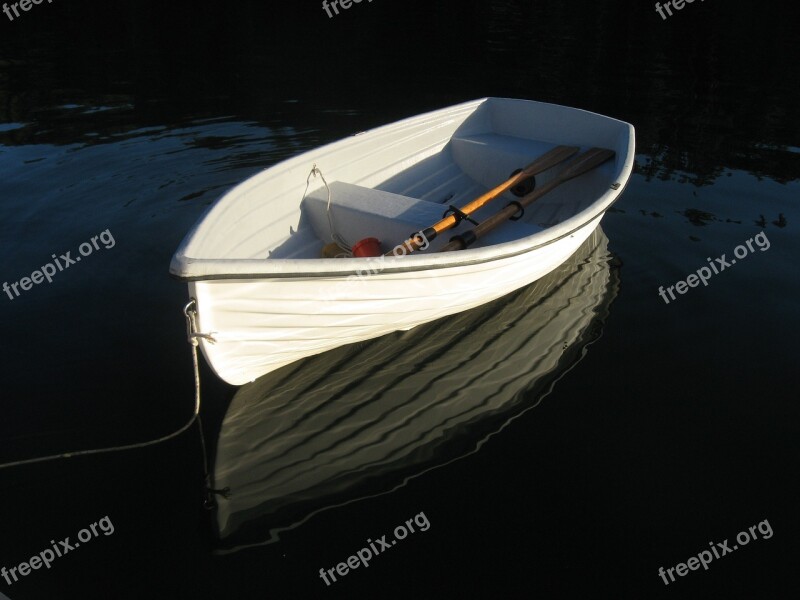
[[365, 263]]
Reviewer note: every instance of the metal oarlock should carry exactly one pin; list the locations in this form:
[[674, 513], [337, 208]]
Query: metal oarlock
[[459, 214], [520, 211], [524, 187]]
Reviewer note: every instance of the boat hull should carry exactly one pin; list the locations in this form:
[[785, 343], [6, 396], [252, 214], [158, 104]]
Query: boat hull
[[260, 325]]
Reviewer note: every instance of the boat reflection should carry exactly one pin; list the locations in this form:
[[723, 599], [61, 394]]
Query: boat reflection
[[362, 419]]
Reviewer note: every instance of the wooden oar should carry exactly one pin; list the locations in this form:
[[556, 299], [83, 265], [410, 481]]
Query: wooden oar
[[577, 166], [547, 160]]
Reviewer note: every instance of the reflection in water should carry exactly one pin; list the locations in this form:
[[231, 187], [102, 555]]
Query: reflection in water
[[359, 419]]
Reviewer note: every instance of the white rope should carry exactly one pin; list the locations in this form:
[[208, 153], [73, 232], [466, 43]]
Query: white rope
[[335, 237], [195, 416]]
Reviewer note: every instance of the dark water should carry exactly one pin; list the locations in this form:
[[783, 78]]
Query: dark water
[[582, 435]]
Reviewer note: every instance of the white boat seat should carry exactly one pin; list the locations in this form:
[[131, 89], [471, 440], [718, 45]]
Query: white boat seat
[[360, 212]]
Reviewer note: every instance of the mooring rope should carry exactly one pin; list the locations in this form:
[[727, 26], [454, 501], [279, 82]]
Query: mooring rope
[[190, 311]]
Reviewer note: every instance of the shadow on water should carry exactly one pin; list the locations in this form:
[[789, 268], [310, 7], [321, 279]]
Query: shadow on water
[[363, 419]]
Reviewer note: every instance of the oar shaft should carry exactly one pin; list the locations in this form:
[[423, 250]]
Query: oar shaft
[[546, 161], [577, 166]]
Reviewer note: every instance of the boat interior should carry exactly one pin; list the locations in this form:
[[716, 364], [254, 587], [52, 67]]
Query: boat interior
[[419, 195]]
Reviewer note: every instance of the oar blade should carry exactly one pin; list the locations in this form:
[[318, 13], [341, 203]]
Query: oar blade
[[584, 163], [548, 160]]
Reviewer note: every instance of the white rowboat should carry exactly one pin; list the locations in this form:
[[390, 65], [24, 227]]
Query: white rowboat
[[263, 296]]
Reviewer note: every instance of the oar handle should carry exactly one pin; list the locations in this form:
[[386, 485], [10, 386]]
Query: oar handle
[[579, 165]]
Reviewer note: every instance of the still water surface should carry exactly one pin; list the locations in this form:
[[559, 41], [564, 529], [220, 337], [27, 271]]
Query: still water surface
[[566, 440]]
